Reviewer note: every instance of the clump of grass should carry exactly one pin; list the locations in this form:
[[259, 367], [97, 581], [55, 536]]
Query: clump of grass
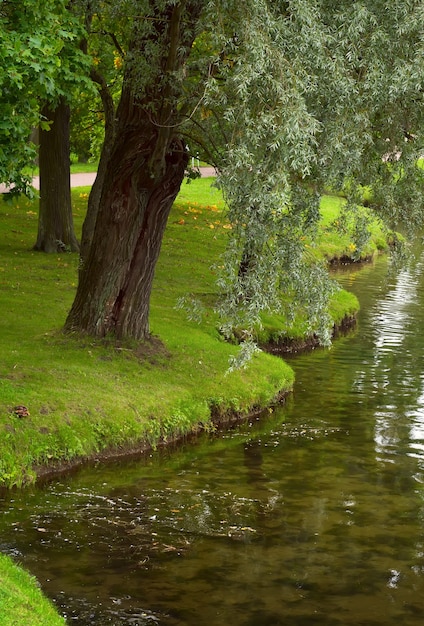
[[21, 600]]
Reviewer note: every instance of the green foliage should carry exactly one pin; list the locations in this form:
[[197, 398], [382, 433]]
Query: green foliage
[[106, 44], [40, 59], [87, 128], [307, 95]]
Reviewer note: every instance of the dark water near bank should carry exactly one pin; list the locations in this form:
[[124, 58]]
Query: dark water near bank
[[312, 516]]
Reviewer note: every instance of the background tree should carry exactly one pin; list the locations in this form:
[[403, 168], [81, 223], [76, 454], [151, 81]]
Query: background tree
[[294, 96], [33, 35], [55, 221]]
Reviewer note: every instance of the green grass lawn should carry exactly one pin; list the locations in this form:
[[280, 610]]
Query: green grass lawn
[[85, 396], [76, 168], [333, 243]]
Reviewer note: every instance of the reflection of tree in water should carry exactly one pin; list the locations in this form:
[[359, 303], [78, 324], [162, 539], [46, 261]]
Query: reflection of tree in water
[[257, 482], [372, 382]]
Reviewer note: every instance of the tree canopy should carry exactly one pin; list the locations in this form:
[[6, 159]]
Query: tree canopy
[[317, 95], [285, 98]]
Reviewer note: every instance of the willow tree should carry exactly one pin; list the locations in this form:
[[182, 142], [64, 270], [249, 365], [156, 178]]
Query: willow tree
[[329, 97], [284, 97]]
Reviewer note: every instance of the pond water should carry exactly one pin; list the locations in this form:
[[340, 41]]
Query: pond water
[[312, 515]]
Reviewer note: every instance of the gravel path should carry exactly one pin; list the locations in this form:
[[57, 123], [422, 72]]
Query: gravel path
[[86, 180]]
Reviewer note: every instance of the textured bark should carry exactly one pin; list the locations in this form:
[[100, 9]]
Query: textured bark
[[143, 165], [108, 145], [55, 222], [116, 279]]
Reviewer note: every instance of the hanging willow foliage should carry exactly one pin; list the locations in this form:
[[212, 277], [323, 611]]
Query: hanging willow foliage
[[313, 95]]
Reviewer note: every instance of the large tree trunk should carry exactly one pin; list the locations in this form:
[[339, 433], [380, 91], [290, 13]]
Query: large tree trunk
[[55, 222], [143, 170], [142, 177], [116, 278]]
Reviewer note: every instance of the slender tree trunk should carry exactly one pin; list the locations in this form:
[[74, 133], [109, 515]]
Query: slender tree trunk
[[55, 222]]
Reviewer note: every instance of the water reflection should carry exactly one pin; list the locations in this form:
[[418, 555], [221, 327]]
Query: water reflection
[[394, 370], [312, 515]]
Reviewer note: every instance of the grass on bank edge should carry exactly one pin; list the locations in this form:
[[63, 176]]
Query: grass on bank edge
[[21, 600], [85, 396]]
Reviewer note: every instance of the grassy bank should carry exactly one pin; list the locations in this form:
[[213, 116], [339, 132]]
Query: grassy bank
[[86, 397], [21, 600]]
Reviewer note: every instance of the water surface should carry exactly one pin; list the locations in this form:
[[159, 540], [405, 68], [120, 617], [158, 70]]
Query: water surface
[[312, 515]]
